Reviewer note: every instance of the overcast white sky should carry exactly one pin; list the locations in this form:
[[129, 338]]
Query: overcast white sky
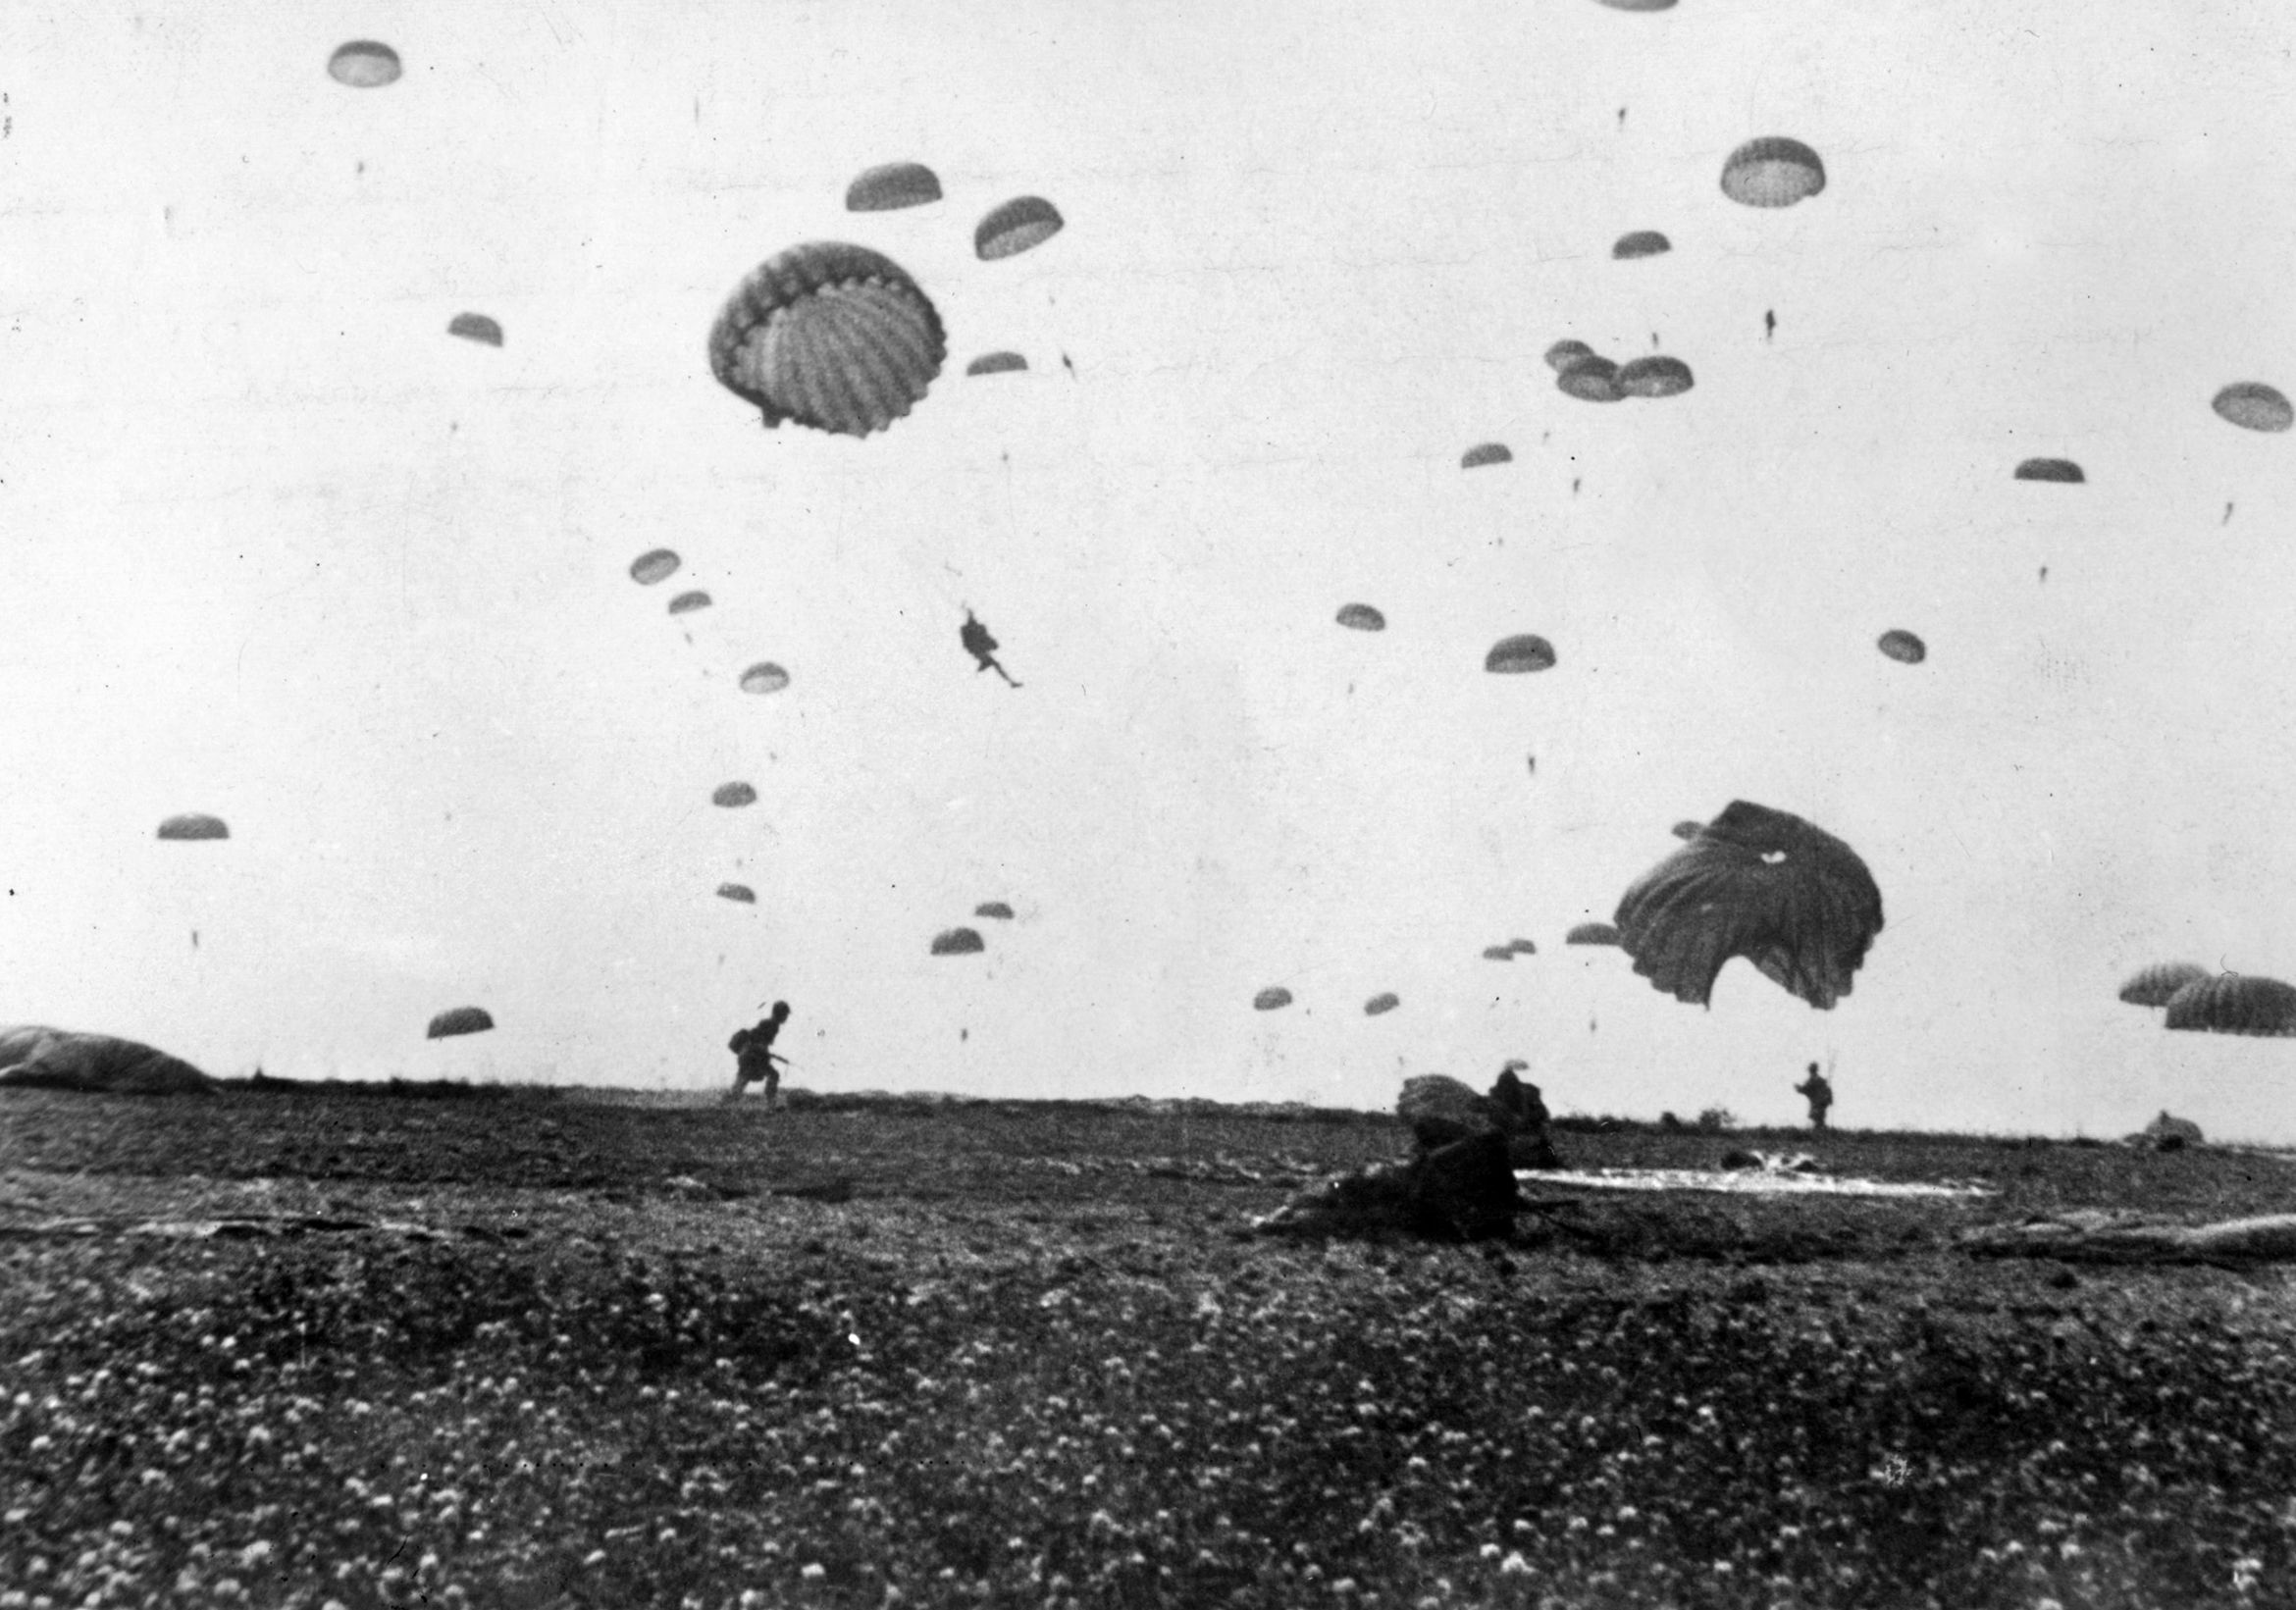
[[277, 548]]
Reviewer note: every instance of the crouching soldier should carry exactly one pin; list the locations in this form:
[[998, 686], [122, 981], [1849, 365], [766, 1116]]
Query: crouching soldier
[[758, 1062]]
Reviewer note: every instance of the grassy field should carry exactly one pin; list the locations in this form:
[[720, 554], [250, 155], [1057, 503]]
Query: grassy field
[[605, 1350]]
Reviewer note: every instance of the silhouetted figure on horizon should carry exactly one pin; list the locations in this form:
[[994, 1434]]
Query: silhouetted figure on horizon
[[983, 647], [758, 1065], [1820, 1095]]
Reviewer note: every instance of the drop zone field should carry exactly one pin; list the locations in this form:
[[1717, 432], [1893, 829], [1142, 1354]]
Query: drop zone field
[[581, 1348]]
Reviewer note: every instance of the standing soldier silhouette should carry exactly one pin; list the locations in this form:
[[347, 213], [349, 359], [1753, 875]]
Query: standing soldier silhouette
[[983, 647], [758, 1062], [1820, 1095]]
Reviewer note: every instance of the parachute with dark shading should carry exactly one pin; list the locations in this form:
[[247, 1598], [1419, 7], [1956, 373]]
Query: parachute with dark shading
[[685, 603], [997, 363], [1592, 933], [193, 826], [1381, 1003], [1773, 172], [61, 1059], [995, 909], [834, 337], [1021, 224], [1362, 617], [1489, 452], [2051, 469], [475, 327], [739, 893], [1562, 354], [1789, 897], [1518, 655], [892, 186], [363, 64], [958, 942], [1654, 377], [655, 566], [1902, 646], [2235, 1003], [733, 796], [2254, 407], [765, 677], [2153, 986], [460, 1021], [1640, 243], [1589, 379], [1521, 947], [1271, 998]]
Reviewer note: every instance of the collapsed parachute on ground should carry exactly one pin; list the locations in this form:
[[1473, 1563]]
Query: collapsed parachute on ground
[[2235, 1003], [1379, 1004], [1592, 933], [475, 327], [363, 64], [652, 568], [1271, 998], [2153, 986], [1562, 354], [2051, 469], [1589, 379], [1489, 452], [892, 186], [996, 363], [1362, 617], [1773, 172], [1517, 656], [1687, 830], [193, 826], [1789, 897], [996, 909], [958, 942], [685, 603], [1640, 243], [1654, 377], [765, 677], [60, 1059], [834, 337], [1022, 222], [1902, 646], [459, 1020], [739, 893], [2254, 407], [733, 796]]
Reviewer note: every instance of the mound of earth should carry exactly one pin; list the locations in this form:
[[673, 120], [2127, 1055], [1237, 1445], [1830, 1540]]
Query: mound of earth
[[57, 1059]]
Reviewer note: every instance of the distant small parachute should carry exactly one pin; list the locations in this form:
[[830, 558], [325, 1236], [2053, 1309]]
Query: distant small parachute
[[1512, 656], [958, 942], [659, 565], [1489, 452], [1639, 4], [1654, 377], [765, 677], [2154, 985], [685, 603], [997, 363], [1562, 354], [2255, 406], [363, 64], [1789, 897], [734, 796], [1498, 953], [1362, 617], [193, 826], [1687, 830], [1773, 172], [740, 892], [1589, 379], [1271, 999], [1521, 947], [837, 337], [2051, 469], [460, 1021], [2235, 1003], [1020, 224], [1641, 242], [1381, 1003], [1902, 646], [892, 186], [475, 327], [996, 909], [1592, 933]]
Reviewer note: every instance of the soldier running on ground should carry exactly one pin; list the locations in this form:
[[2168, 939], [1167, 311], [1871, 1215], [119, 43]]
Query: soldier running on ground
[[759, 1064], [1820, 1095]]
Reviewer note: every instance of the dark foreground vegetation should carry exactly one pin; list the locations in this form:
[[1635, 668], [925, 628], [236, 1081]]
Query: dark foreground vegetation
[[290, 1348]]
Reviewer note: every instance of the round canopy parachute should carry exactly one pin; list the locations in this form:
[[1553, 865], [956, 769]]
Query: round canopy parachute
[[1774, 172], [1562, 354], [1489, 452], [1789, 897], [1589, 379], [835, 336], [363, 64], [1382, 1003], [1902, 646], [2051, 469], [740, 893], [958, 942], [734, 796], [193, 826], [460, 1021], [1271, 998], [1021, 223], [657, 566], [1362, 617], [1640, 243], [475, 327], [1521, 947], [2153, 986], [2235, 1003], [1511, 656], [892, 186], [765, 677], [1592, 933], [997, 363], [1498, 953], [1654, 377], [1687, 830], [996, 909], [2255, 406], [685, 603]]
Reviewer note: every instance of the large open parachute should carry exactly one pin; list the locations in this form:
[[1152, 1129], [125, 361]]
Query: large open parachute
[[1640, 243], [1772, 171], [193, 827], [1362, 617], [2235, 1003], [765, 677], [2051, 469], [837, 337], [475, 327], [733, 796], [2154, 986], [892, 186], [655, 566], [1589, 379], [1273, 997], [460, 1021], [741, 893], [1902, 646], [958, 942], [1022, 222], [1592, 933], [363, 64], [2254, 407], [685, 603], [1516, 655], [1654, 377]]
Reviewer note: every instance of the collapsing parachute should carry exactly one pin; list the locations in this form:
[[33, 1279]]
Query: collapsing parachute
[[460, 1021], [653, 567], [2254, 407], [2235, 1003], [685, 603], [363, 64], [1902, 646], [734, 796], [475, 327], [1654, 377], [1271, 998], [1513, 656], [1592, 933], [1773, 172], [1640, 243], [1018, 224], [1362, 617], [2153, 986], [835, 336], [2051, 469], [765, 677], [1490, 452], [958, 942], [892, 186], [193, 826], [1789, 897], [996, 363]]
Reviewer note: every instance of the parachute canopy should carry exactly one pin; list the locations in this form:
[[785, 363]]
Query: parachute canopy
[[2051, 469], [475, 327], [1789, 897], [996, 909], [1498, 953], [1589, 379], [1654, 377], [1562, 354], [685, 603], [1271, 998], [2235, 1003], [1521, 947], [193, 825], [1362, 617], [1902, 646], [1021, 223], [1382, 1003], [740, 892], [835, 336], [2255, 406], [1592, 933], [658, 565], [1489, 452], [363, 64], [460, 1021], [1639, 4], [1773, 172], [997, 363], [2154, 985], [892, 186], [765, 677], [1687, 830], [1640, 243], [733, 796], [958, 942], [1511, 656]]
